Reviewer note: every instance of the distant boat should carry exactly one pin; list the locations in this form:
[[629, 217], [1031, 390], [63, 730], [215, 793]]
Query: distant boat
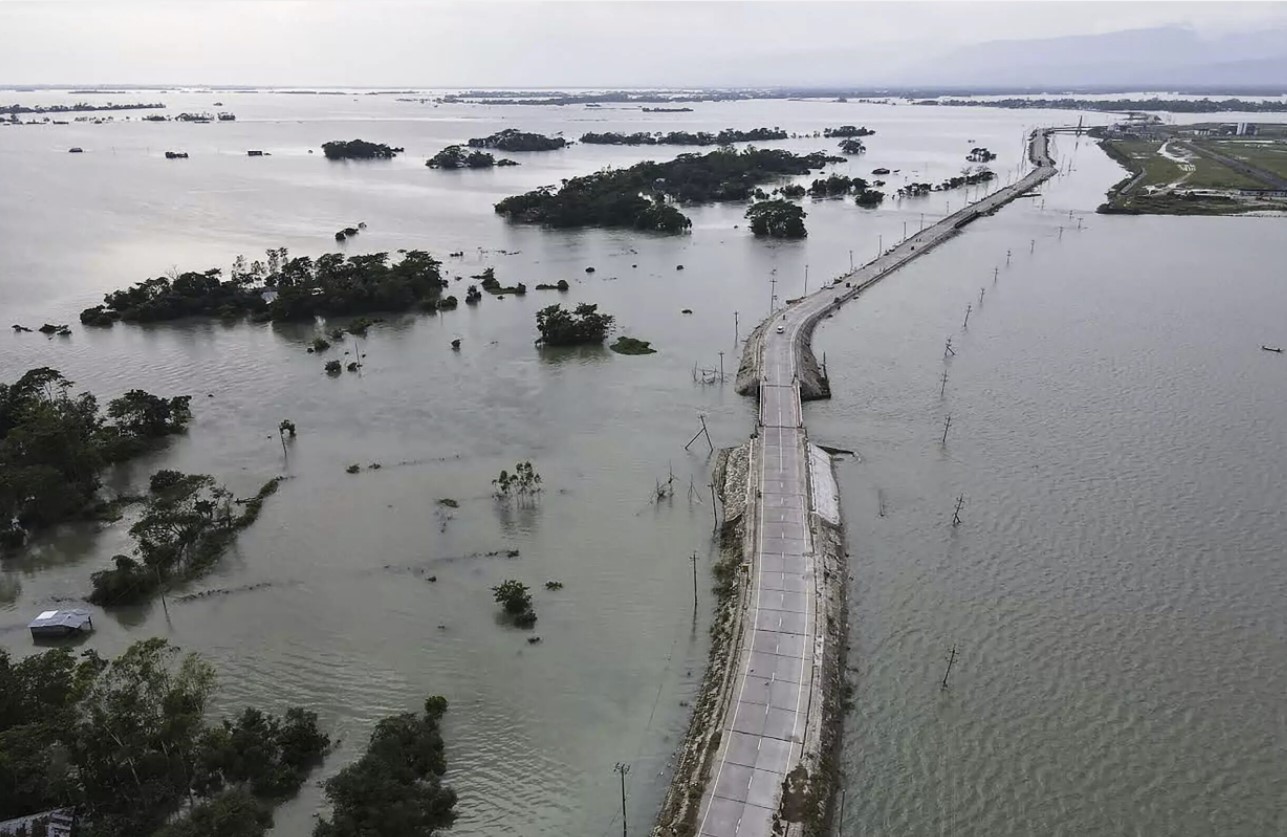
[[1272, 349], [76, 150], [61, 623]]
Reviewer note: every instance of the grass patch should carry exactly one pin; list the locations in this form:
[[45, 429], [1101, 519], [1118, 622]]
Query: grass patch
[[631, 346], [1271, 157]]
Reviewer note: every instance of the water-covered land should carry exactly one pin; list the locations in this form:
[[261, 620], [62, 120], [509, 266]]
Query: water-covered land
[[1111, 587]]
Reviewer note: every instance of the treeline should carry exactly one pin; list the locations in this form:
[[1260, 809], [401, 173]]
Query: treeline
[[1155, 104], [847, 131], [126, 744], [839, 185], [639, 196], [724, 137], [186, 525], [358, 150], [301, 288], [396, 787], [456, 157], [512, 139], [79, 107], [915, 190], [55, 445]]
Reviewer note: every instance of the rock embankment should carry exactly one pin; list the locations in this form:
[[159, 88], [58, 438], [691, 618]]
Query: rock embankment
[[732, 479]]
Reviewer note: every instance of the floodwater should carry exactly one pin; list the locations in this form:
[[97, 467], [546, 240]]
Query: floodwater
[[1074, 604], [1115, 588]]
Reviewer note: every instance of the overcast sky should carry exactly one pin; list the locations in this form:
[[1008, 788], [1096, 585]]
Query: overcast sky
[[429, 43]]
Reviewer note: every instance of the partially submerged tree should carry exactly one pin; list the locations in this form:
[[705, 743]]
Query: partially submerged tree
[[583, 324], [396, 786], [777, 219], [515, 599]]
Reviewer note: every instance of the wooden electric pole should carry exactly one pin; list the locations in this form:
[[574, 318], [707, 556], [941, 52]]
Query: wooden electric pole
[[950, 659], [946, 426], [623, 769], [694, 560], [960, 501]]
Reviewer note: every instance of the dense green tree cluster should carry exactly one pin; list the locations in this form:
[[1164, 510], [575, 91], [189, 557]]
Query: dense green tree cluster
[[968, 178], [1203, 105], [847, 131], [358, 150], [777, 219], [838, 185], [125, 742], [583, 324], [456, 157], [187, 523], [512, 139], [396, 787], [304, 287], [852, 146], [54, 446], [637, 196], [724, 137]]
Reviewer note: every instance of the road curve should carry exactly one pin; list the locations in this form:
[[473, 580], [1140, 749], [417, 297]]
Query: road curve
[[775, 716]]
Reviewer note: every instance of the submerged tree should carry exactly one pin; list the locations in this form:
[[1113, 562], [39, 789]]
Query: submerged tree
[[583, 324], [515, 599], [524, 483], [777, 219], [396, 787]]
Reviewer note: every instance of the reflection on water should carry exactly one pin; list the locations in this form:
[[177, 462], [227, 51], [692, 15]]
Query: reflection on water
[[1115, 589], [327, 600]]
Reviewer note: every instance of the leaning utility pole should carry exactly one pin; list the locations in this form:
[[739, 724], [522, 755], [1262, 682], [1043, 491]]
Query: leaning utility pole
[[969, 307], [960, 501], [942, 389], [951, 659], [946, 426]]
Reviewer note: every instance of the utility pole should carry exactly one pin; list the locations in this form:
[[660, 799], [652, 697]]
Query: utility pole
[[946, 426], [623, 769], [947, 348], [956, 513], [968, 308], [951, 659], [773, 293], [735, 327], [942, 389], [922, 221], [721, 363], [995, 272], [904, 230], [1032, 247], [880, 244], [694, 560], [806, 280], [980, 297], [1007, 258], [851, 261]]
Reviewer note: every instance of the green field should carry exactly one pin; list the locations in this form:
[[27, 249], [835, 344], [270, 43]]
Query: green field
[[1271, 157], [1141, 191]]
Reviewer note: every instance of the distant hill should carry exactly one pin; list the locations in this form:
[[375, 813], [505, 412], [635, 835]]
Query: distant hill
[[1161, 58]]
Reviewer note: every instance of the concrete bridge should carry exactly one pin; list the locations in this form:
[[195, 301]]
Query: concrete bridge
[[775, 724]]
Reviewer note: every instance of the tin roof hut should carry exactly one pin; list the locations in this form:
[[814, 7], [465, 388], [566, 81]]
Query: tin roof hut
[[60, 623]]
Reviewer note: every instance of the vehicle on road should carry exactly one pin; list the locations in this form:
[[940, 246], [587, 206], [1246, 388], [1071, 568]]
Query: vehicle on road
[[781, 329]]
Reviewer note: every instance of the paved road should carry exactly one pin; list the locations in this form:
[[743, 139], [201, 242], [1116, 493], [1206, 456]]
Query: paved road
[[764, 730]]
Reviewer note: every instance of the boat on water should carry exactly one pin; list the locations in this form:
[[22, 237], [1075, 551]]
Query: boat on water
[[1272, 349]]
